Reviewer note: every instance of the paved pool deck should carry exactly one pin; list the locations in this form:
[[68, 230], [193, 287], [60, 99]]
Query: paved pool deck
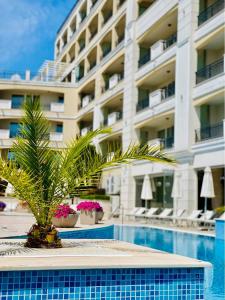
[[89, 254]]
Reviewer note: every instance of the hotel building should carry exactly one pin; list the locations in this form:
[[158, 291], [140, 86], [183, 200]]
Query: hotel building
[[154, 72]]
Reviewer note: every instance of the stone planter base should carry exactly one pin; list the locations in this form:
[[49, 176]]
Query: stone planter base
[[100, 215], [88, 217], [68, 222]]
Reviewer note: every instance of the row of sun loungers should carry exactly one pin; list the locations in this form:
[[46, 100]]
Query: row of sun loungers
[[196, 217]]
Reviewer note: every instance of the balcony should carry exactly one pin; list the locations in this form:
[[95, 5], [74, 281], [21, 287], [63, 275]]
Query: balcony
[[57, 107], [210, 71], [156, 97], [210, 11], [113, 81], [157, 49], [121, 2], [56, 136], [209, 132]]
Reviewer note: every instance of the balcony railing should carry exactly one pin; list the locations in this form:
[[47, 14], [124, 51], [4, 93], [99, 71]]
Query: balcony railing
[[170, 41], [79, 77], [120, 39], [57, 107], [85, 130], [210, 11], [5, 104], [210, 71], [209, 132], [86, 100], [82, 46], [162, 143], [92, 65], [142, 104], [169, 90], [144, 59], [56, 136]]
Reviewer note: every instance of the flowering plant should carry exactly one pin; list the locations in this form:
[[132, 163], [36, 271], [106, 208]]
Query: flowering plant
[[89, 206], [2, 205], [63, 211]]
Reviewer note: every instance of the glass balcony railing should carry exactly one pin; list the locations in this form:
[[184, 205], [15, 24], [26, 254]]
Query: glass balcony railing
[[210, 11], [210, 71], [144, 59], [142, 104], [168, 91], [170, 41], [209, 132]]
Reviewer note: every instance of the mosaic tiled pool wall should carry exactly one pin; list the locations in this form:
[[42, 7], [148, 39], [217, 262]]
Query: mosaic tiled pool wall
[[103, 284]]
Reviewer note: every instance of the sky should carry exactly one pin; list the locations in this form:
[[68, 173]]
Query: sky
[[27, 32]]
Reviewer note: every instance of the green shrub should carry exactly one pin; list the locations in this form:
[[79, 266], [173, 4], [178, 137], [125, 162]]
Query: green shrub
[[95, 197], [220, 209]]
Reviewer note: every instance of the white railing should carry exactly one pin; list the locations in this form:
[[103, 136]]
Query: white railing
[[114, 80], [4, 134], [5, 104], [56, 137], [57, 107], [154, 142], [85, 130]]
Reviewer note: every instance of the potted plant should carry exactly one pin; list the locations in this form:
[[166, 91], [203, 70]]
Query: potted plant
[[64, 217], [2, 206], [100, 212], [89, 212]]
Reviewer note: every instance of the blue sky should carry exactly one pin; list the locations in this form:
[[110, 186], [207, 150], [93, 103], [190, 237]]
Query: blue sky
[[27, 31]]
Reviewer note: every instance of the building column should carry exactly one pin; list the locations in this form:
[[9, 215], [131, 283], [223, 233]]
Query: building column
[[185, 113], [129, 104]]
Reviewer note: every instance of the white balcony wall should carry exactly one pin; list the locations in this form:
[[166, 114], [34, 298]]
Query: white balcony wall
[[5, 104], [4, 134], [155, 97], [56, 137], [112, 118], [157, 49], [113, 81], [57, 107], [86, 100]]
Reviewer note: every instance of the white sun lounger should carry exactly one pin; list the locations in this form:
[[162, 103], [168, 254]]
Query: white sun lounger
[[166, 212], [140, 212], [204, 217], [176, 214], [133, 211], [152, 211], [212, 222], [194, 214]]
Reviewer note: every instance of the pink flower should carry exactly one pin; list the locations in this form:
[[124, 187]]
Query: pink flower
[[63, 211], [89, 206]]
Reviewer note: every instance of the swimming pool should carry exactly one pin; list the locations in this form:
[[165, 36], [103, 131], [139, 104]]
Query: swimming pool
[[191, 245]]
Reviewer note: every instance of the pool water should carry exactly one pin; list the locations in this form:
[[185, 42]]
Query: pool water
[[195, 246], [191, 245]]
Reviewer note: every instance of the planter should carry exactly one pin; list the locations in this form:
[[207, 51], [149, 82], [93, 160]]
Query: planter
[[68, 222], [100, 215], [88, 217]]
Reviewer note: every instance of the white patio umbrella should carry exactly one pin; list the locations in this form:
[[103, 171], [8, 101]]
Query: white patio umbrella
[[146, 192], [176, 190], [207, 190]]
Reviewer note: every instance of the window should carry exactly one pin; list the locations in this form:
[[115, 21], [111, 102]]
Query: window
[[59, 128], [14, 130], [17, 101]]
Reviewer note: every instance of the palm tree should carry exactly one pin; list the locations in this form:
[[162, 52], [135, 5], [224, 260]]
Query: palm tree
[[43, 177]]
